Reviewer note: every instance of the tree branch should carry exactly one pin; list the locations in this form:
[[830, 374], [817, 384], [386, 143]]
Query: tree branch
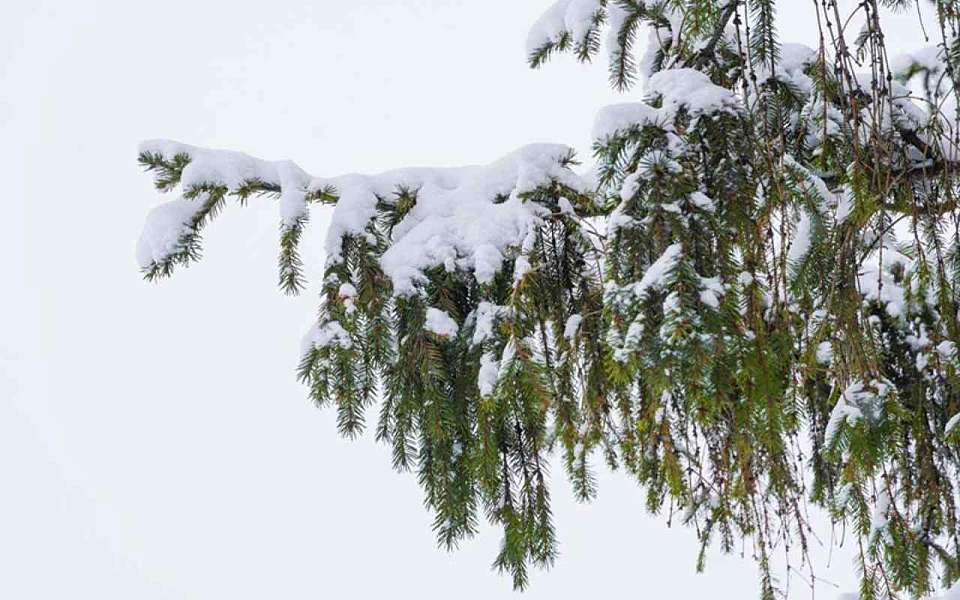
[[726, 14]]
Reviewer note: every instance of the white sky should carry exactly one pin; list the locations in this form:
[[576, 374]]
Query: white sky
[[153, 440]]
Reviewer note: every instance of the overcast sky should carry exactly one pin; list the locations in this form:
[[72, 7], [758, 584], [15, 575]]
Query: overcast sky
[[153, 440]]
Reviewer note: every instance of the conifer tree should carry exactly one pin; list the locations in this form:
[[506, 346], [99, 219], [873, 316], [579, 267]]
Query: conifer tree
[[750, 303]]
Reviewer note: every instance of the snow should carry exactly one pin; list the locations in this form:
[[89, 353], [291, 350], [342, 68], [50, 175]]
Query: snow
[[826, 197], [881, 511], [326, 334], [489, 374], [794, 58], [891, 294], [619, 117], [506, 357], [711, 290], [947, 349], [710, 299], [656, 41], [844, 205], [678, 88], [660, 37], [630, 341], [440, 323], [456, 219], [693, 90], [843, 410], [467, 218], [616, 18], [520, 268], [232, 169], [858, 401], [824, 353], [347, 291], [486, 316], [572, 326], [801, 241], [167, 222], [930, 58], [702, 201], [952, 424], [630, 186], [165, 226], [918, 341], [565, 16], [656, 273]]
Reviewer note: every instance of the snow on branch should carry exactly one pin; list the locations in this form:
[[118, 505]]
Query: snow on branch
[[464, 218], [567, 23]]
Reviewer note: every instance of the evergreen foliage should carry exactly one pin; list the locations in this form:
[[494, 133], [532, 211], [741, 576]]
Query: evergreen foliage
[[751, 308]]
